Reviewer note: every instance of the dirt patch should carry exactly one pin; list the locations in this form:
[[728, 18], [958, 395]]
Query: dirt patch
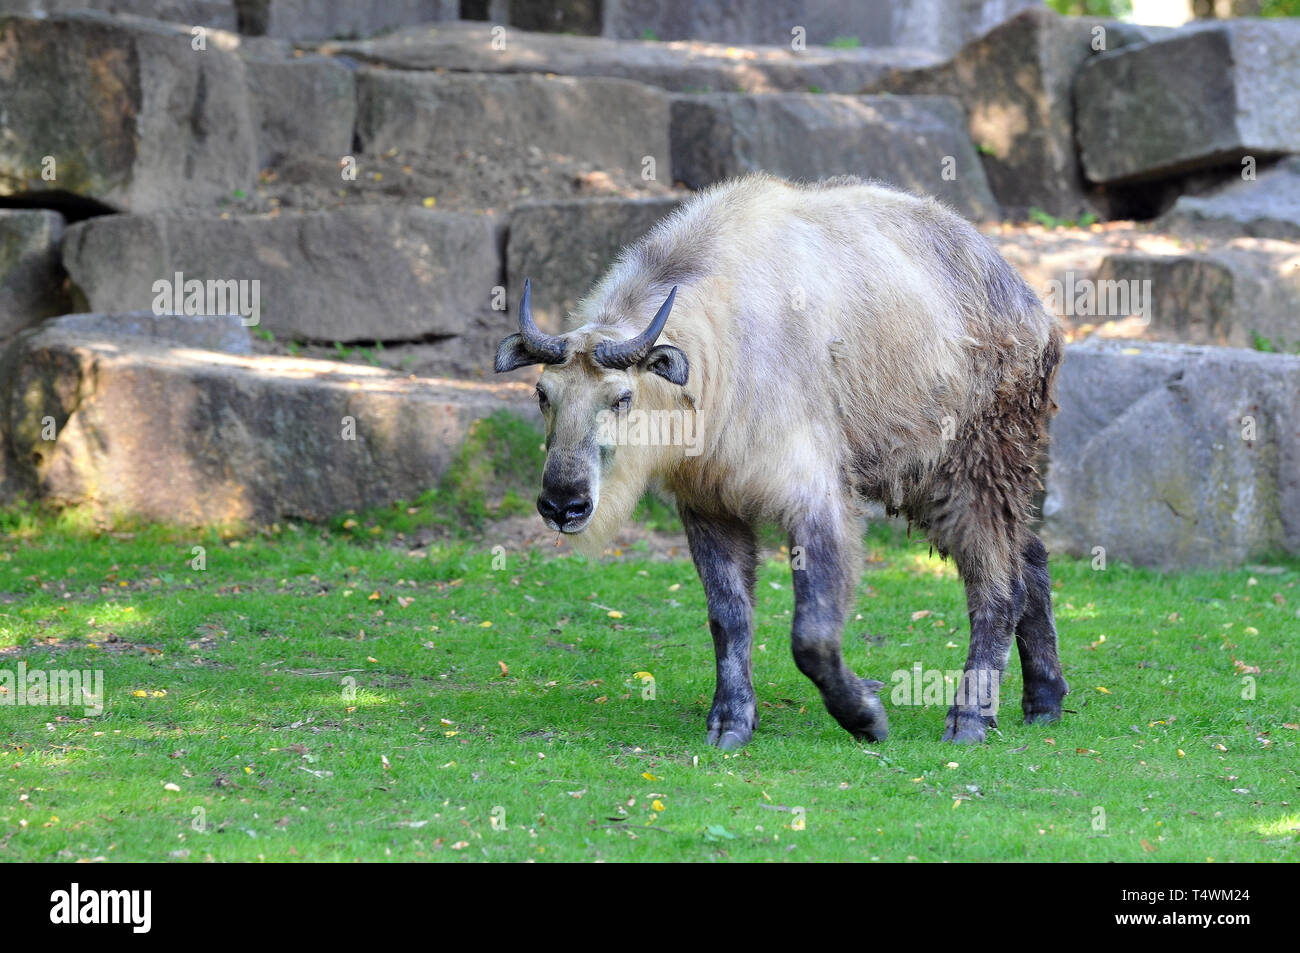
[[528, 532]]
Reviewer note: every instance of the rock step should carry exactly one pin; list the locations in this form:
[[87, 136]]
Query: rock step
[[1242, 293], [1267, 206], [446, 114], [439, 288], [234, 108], [566, 246], [149, 428], [1174, 456], [352, 274], [914, 142], [84, 113], [684, 67], [1015, 86], [285, 19], [1204, 96], [941, 25]]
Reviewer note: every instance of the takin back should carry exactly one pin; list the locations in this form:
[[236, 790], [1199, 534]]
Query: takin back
[[812, 348]]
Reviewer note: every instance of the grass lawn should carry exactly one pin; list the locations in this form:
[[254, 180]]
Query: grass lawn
[[330, 694]]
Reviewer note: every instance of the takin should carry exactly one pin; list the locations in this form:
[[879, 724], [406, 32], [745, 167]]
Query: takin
[[829, 344]]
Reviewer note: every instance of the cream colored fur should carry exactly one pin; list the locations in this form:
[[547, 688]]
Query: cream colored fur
[[843, 338]]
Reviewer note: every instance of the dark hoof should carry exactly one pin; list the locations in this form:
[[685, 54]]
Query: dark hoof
[[732, 727], [869, 722], [967, 728], [730, 740], [1040, 716], [1042, 706]]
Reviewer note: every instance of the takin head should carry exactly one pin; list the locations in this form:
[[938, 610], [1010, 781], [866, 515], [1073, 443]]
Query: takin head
[[591, 379]]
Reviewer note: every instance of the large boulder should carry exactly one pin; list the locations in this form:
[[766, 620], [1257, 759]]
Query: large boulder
[[939, 25], [323, 19], [1015, 83], [1202, 97], [31, 278], [147, 428], [1242, 293], [122, 111], [1265, 207], [680, 67], [1174, 456], [564, 247], [914, 142], [608, 122], [221, 14], [302, 107], [359, 274], [227, 333]]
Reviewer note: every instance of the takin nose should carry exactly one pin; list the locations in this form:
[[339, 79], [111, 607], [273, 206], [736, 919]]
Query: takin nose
[[565, 507]]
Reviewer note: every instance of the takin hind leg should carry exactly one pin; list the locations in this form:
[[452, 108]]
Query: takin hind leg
[[994, 604], [1040, 663], [982, 537], [824, 563], [726, 557]]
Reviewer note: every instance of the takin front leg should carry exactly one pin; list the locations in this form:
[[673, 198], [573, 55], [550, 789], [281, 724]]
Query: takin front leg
[[824, 570], [1040, 664], [726, 557]]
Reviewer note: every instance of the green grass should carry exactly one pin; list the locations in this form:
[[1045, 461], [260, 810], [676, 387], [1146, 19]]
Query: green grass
[[1046, 220], [497, 712]]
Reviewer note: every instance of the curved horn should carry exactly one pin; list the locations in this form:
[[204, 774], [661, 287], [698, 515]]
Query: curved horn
[[621, 355], [547, 348]]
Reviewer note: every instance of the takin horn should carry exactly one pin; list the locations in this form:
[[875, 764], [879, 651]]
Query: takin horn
[[621, 355], [547, 348]]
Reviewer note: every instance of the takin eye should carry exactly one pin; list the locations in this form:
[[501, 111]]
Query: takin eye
[[542, 400], [624, 401]]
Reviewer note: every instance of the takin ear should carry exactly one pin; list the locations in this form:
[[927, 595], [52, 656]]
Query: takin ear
[[512, 353], [669, 363]]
